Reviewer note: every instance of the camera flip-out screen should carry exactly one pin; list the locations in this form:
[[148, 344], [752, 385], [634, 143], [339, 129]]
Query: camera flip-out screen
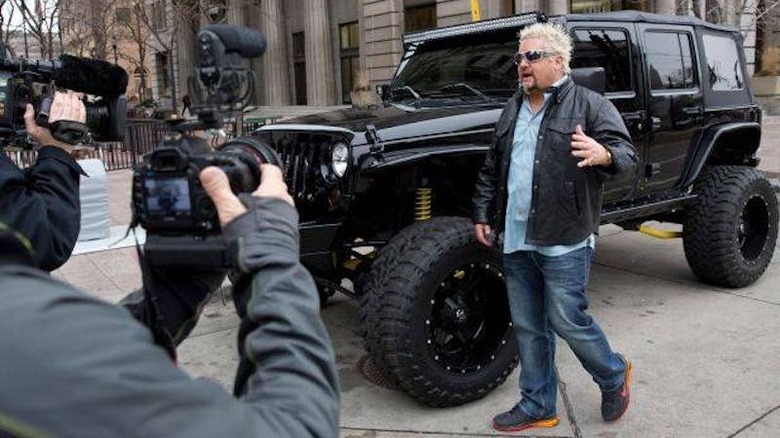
[[168, 196]]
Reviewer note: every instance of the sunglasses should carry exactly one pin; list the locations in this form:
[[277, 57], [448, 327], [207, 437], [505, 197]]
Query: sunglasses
[[532, 56]]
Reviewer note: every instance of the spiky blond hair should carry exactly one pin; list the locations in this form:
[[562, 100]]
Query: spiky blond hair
[[555, 37]]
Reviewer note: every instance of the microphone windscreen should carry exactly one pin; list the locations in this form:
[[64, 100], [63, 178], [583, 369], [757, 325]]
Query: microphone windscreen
[[248, 42], [91, 76]]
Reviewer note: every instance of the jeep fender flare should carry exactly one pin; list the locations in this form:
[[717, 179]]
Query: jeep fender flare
[[717, 137]]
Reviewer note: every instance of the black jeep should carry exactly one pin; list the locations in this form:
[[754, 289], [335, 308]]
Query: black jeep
[[384, 193]]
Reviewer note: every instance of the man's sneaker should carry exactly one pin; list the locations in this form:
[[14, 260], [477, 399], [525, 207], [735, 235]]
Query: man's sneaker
[[515, 420], [615, 403]]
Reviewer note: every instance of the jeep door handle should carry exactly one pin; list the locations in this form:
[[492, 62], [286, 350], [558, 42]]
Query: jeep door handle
[[655, 122], [693, 110], [635, 119]]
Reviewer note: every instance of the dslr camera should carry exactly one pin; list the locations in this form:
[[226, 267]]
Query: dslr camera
[[181, 223], [24, 81]]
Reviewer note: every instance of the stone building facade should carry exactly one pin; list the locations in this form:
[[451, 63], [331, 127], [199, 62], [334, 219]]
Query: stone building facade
[[317, 48]]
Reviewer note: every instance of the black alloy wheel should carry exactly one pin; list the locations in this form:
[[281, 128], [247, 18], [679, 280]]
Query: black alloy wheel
[[468, 319]]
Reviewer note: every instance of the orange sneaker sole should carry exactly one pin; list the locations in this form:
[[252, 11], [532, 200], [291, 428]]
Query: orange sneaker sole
[[626, 388], [546, 422]]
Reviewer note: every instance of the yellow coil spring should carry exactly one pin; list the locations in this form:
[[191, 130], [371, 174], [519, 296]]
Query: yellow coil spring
[[422, 204]]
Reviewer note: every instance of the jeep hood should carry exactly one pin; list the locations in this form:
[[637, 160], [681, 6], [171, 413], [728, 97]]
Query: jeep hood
[[395, 123]]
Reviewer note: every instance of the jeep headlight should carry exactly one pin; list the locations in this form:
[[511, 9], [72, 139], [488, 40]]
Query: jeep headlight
[[339, 159]]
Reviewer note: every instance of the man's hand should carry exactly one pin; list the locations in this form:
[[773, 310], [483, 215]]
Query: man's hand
[[483, 234], [591, 151], [216, 184], [65, 106]]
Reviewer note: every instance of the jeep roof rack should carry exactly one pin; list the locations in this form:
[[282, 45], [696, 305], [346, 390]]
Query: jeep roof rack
[[647, 17], [472, 28]]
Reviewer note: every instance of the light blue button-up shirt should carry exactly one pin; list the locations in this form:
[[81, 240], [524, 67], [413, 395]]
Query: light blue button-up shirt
[[521, 172]]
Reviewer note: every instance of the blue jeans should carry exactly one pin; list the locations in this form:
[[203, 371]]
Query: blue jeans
[[547, 296]]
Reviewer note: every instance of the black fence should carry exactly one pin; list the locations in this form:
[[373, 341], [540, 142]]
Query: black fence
[[143, 135]]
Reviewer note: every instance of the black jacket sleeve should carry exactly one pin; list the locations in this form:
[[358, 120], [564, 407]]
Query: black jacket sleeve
[[281, 334], [82, 367], [42, 203], [485, 193], [608, 129]]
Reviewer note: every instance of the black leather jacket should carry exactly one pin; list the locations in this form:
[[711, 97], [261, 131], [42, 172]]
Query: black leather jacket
[[566, 199]]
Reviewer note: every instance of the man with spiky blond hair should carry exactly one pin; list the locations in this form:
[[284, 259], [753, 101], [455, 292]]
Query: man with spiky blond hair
[[540, 189]]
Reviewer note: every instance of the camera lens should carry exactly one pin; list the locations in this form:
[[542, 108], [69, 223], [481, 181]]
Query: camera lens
[[250, 154], [260, 151]]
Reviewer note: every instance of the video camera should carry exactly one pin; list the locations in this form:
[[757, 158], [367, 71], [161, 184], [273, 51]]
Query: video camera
[[168, 200], [32, 81]]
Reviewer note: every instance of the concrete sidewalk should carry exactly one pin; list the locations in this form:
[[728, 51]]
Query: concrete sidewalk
[[706, 359]]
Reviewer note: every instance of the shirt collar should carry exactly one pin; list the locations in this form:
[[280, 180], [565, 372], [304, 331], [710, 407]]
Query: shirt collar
[[553, 89]]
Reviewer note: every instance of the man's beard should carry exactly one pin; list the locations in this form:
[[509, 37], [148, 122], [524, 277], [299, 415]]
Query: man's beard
[[527, 91]]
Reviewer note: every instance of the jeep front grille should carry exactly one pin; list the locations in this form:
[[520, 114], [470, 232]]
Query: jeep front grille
[[305, 160]]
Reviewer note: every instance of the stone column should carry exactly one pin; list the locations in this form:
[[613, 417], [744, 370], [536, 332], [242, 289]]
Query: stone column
[[555, 7], [320, 88], [665, 7], [185, 57], [530, 5], [276, 80], [380, 38], [235, 12], [451, 12]]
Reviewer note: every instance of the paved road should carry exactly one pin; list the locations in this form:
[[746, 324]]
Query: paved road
[[707, 359]]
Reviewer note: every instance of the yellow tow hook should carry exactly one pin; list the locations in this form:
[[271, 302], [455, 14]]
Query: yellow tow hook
[[660, 234]]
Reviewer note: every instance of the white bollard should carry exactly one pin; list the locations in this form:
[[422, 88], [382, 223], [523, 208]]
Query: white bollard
[[94, 201]]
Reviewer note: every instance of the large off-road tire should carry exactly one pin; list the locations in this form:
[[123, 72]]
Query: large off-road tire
[[730, 230], [371, 288], [440, 315]]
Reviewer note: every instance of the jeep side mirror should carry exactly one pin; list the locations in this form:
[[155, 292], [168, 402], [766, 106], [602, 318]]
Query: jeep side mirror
[[383, 91], [593, 78]]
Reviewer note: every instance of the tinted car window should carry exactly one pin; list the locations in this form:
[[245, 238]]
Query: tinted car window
[[724, 71], [488, 67], [669, 61], [604, 48]]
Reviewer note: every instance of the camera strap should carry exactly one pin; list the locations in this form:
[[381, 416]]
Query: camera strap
[[152, 316]]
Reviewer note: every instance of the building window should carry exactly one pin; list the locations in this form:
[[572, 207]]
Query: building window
[[419, 17], [349, 45], [604, 48], [669, 61], [299, 67], [163, 73], [595, 6], [123, 15]]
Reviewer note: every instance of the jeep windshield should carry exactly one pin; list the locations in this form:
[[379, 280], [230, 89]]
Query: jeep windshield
[[452, 71]]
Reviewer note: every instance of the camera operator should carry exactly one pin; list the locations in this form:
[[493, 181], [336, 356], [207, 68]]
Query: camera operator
[[76, 366], [42, 202]]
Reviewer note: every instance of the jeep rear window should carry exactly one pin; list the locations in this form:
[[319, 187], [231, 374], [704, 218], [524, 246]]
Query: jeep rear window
[[669, 60], [485, 66], [723, 66], [604, 48]]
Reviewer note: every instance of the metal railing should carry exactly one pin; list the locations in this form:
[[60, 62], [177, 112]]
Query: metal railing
[[143, 135]]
